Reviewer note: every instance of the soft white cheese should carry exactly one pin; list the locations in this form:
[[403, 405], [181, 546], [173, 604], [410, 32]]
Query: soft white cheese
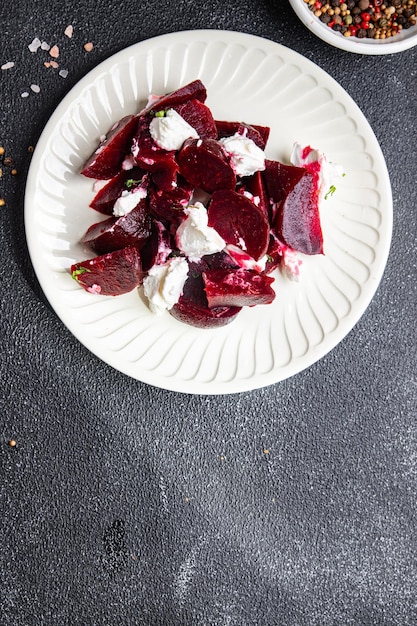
[[244, 260], [246, 157], [170, 131], [328, 172], [194, 237], [128, 201], [164, 284]]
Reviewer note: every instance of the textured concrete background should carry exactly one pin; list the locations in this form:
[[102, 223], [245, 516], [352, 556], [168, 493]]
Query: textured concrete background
[[124, 504]]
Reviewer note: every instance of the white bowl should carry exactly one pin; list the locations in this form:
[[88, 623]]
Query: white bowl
[[404, 40]]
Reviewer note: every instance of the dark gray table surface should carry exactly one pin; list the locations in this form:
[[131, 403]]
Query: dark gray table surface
[[126, 504]]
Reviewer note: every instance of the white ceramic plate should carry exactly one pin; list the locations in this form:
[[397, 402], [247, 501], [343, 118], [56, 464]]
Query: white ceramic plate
[[248, 79], [404, 40]]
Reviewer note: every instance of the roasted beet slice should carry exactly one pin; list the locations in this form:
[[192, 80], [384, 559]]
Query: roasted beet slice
[[203, 163], [280, 179], [199, 116], [237, 288], [107, 159], [192, 91], [274, 254], [296, 220], [150, 157], [104, 199], [256, 187], [168, 206], [111, 274], [115, 233], [258, 134], [192, 307], [220, 261], [239, 221], [157, 247]]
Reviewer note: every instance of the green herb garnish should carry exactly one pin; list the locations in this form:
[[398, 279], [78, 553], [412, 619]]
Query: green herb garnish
[[79, 271], [131, 181], [330, 192]]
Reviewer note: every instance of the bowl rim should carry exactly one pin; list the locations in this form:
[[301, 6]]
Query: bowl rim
[[403, 41]]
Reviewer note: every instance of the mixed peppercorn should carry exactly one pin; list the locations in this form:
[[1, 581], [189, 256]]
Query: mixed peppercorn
[[375, 19]]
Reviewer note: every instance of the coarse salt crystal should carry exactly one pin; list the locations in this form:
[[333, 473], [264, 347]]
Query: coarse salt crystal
[[54, 52], [36, 43], [53, 64], [7, 66], [47, 64], [88, 46], [63, 73], [45, 45], [25, 94], [69, 31], [35, 88]]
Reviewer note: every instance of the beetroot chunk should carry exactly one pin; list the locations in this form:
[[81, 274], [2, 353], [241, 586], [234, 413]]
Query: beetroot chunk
[[157, 247], [150, 157], [203, 163], [192, 91], [258, 134], [239, 221], [111, 274], [192, 307], [104, 199], [296, 221], [107, 159], [168, 206], [199, 116], [115, 233], [237, 288]]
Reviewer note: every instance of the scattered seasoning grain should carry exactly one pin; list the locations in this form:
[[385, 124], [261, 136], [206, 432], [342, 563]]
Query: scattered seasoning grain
[[31, 148], [1, 173], [25, 94], [54, 52], [35, 88], [45, 45], [2, 150], [63, 73], [8, 65], [69, 31], [88, 46], [36, 43], [13, 172], [2, 202], [53, 64], [8, 161], [12, 443]]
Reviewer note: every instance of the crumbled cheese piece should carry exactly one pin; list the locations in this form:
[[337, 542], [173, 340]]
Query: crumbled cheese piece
[[170, 131], [244, 260], [246, 157], [164, 284], [194, 237], [128, 201], [315, 160]]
